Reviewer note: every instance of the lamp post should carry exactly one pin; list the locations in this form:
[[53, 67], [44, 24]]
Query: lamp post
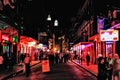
[[49, 31], [54, 38], [49, 18], [52, 30]]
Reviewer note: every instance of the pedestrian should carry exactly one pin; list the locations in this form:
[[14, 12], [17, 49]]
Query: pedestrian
[[6, 60], [11, 61], [22, 57], [101, 69], [1, 62], [116, 67], [56, 58], [51, 59], [61, 57], [27, 61], [80, 58], [109, 64], [65, 57], [88, 59]]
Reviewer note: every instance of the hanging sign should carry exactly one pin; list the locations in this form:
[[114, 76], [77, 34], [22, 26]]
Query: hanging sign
[[109, 35]]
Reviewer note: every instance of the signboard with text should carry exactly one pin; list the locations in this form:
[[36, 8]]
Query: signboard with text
[[109, 35]]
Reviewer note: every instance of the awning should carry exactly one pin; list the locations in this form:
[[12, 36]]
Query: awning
[[25, 39], [94, 37], [85, 43]]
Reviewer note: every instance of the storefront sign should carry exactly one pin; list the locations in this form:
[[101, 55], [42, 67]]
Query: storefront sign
[[100, 24], [5, 37], [109, 35]]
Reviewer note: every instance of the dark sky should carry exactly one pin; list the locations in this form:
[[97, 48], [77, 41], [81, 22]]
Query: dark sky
[[35, 13]]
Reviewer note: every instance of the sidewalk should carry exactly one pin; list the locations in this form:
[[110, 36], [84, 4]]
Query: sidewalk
[[17, 69], [92, 68]]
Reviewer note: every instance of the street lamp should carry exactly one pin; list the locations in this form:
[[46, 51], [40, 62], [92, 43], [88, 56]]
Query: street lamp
[[49, 18], [55, 25], [53, 33], [49, 31]]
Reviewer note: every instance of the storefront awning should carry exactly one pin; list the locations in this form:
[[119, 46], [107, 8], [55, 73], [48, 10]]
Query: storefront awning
[[25, 39], [94, 37], [85, 43]]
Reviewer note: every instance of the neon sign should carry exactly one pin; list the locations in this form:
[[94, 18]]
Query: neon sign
[[109, 35], [4, 37]]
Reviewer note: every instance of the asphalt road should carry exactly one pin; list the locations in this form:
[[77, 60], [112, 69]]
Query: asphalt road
[[62, 71]]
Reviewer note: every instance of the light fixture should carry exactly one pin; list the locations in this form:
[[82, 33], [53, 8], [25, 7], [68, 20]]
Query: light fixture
[[49, 18]]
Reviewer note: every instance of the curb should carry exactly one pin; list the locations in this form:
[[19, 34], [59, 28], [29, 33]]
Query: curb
[[85, 69], [17, 72]]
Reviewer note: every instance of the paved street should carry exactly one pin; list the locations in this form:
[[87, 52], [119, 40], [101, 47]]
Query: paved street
[[63, 71]]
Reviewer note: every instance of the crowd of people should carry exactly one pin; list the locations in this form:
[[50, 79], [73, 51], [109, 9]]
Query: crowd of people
[[54, 58], [109, 67], [7, 62]]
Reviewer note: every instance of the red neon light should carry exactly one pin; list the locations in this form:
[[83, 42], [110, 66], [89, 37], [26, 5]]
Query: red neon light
[[4, 37]]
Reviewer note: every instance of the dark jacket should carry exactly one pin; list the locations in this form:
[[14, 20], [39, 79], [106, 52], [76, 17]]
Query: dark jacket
[[101, 71]]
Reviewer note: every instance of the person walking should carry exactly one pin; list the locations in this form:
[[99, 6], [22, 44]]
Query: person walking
[[88, 59], [109, 63], [101, 69], [5, 61], [61, 57], [116, 67], [51, 59], [22, 57], [27, 64], [56, 58], [1, 62]]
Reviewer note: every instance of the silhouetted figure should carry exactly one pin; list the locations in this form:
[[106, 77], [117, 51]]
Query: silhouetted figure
[[116, 67], [109, 63], [65, 57], [1, 62], [60, 57], [56, 58], [35, 56], [68, 56], [41, 56], [22, 57], [101, 69], [51, 59], [27, 65], [12, 61], [5, 62], [88, 59]]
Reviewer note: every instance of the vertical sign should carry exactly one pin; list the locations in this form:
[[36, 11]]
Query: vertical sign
[[100, 24]]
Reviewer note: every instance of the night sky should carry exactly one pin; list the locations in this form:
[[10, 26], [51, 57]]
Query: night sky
[[35, 14]]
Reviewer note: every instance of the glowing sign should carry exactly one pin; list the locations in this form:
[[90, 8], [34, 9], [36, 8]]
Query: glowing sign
[[109, 35], [0, 36], [5, 37], [39, 45], [31, 43]]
